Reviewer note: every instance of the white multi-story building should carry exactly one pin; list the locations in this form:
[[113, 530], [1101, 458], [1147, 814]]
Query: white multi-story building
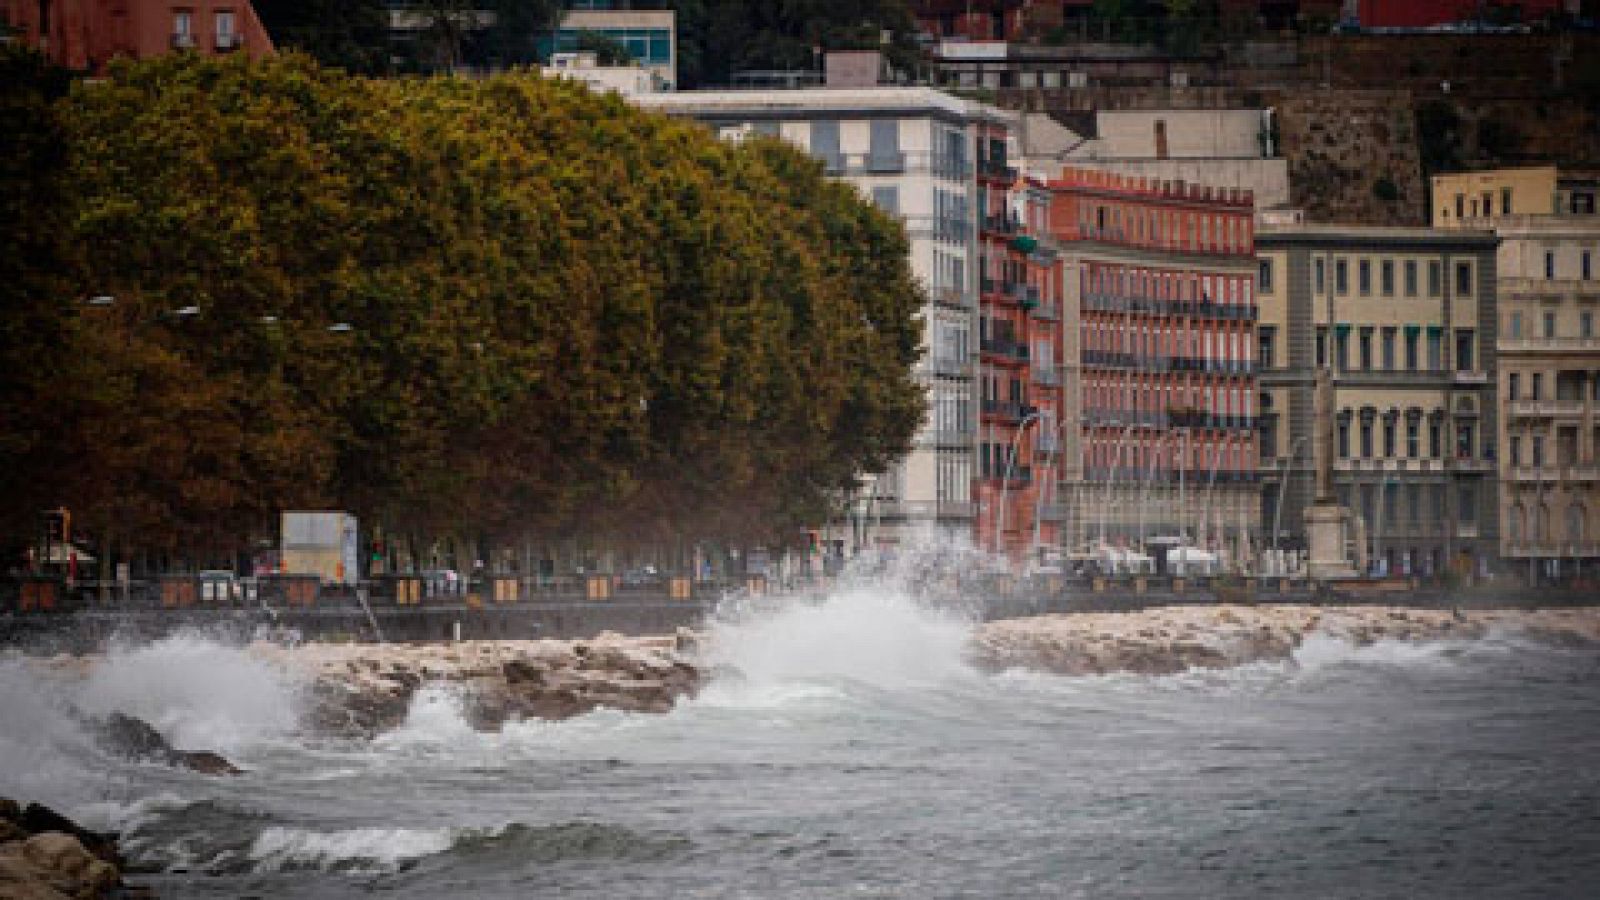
[[911, 151]]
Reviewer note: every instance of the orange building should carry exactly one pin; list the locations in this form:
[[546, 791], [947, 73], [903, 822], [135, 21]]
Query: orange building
[[1015, 488], [86, 34], [1165, 280]]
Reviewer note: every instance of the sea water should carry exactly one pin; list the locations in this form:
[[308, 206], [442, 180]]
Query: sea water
[[844, 748]]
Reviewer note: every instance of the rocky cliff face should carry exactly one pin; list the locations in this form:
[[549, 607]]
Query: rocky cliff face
[[1174, 639]]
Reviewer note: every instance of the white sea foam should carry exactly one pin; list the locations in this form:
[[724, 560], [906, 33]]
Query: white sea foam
[[354, 850], [200, 694]]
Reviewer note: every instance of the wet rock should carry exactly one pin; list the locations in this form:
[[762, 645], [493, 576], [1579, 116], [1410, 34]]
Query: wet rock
[[54, 865], [38, 819], [523, 672], [137, 739]]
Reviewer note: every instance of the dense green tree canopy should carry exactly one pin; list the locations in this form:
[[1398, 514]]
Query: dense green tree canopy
[[565, 316]]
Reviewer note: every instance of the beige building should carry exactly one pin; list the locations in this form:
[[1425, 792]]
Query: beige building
[[1549, 351], [1404, 321]]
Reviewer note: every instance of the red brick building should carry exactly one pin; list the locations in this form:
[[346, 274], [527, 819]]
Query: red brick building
[[87, 34], [1165, 280]]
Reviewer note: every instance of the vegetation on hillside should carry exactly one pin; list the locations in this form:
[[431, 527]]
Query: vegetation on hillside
[[565, 317]]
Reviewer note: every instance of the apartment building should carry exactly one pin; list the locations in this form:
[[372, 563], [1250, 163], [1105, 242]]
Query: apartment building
[[911, 151], [1163, 277], [1022, 411], [1404, 321], [1548, 267], [87, 34]]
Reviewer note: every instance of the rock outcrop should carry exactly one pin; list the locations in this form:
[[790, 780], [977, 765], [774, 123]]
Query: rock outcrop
[[137, 739], [46, 856], [361, 689], [1177, 638]]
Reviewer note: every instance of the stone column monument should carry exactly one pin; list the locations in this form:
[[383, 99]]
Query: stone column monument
[[1328, 525]]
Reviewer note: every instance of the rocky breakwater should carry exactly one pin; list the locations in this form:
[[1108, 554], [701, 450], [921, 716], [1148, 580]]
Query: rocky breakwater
[[361, 689], [1173, 639]]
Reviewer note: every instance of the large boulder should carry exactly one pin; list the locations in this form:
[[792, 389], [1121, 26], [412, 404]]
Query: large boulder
[[136, 739]]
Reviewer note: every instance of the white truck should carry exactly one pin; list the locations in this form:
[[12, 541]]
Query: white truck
[[321, 543]]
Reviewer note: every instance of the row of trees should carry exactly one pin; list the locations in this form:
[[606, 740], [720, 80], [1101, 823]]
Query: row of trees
[[556, 316]]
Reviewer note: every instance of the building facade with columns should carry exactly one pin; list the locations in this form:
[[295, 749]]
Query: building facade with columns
[[1548, 268], [1162, 274], [1404, 321]]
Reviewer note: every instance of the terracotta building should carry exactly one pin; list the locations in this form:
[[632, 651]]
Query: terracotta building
[[1021, 404], [87, 34], [1163, 275]]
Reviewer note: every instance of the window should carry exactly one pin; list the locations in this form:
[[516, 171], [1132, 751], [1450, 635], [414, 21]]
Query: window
[[1435, 350], [182, 28], [1411, 350], [225, 33], [1411, 277], [1391, 500], [1464, 342], [1461, 206], [1388, 435], [1344, 437], [1435, 277], [1488, 203], [1322, 346], [1585, 266], [1586, 324], [825, 143], [1386, 277], [1341, 276], [1505, 201], [1515, 325], [1549, 324], [1265, 338], [1467, 505], [1549, 265], [1413, 437], [1319, 270], [1341, 347], [1513, 385], [1366, 437], [1538, 387], [1435, 438], [1387, 344], [1364, 347], [887, 198], [1514, 449], [1266, 276], [884, 153], [1464, 441], [1463, 278], [1364, 276], [1538, 450]]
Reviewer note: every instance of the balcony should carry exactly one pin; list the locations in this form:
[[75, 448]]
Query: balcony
[[1030, 296], [1001, 224], [1006, 351], [945, 437], [885, 163], [1549, 345], [1468, 464], [1047, 312], [1006, 410], [1047, 376], [950, 367], [183, 40], [956, 509], [996, 168], [1545, 409], [952, 298], [227, 43], [1053, 512], [1474, 377]]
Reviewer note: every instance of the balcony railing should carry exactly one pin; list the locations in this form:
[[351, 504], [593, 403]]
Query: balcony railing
[[996, 168], [952, 298], [951, 367], [1007, 410], [1002, 224], [956, 509], [1048, 312], [1006, 350], [183, 40], [227, 43], [1545, 409], [1048, 376], [1549, 345], [884, 163]]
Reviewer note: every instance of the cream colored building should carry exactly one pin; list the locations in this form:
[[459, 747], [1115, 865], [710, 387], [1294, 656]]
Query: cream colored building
[[1404, 320], [1549, 349]]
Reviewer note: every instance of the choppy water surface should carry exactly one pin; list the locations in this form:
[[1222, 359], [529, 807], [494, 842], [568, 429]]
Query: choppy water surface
[[847, 751]]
